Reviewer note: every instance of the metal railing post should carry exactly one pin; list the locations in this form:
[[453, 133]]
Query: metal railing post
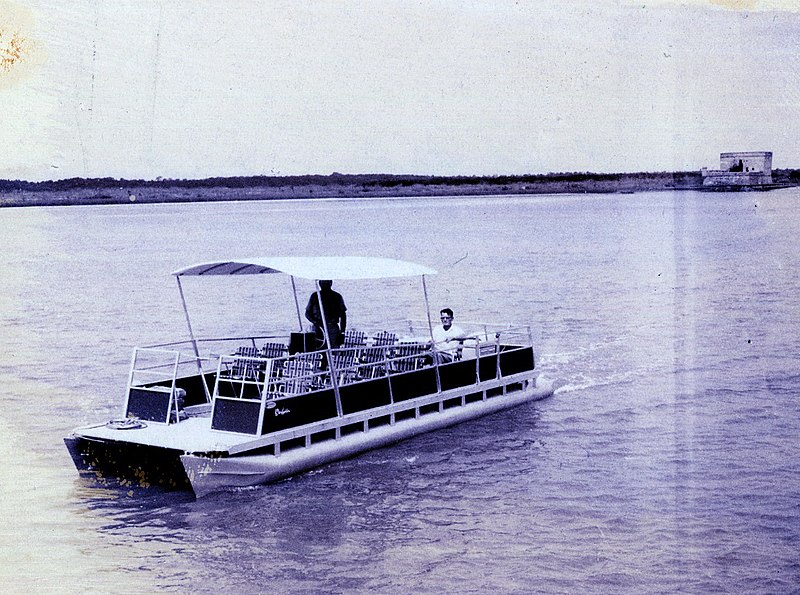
[[296, 303], [434, 351], [130, 381], [191, 336], [329, 352]]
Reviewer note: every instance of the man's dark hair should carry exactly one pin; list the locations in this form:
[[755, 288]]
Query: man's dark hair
[[447, 311]]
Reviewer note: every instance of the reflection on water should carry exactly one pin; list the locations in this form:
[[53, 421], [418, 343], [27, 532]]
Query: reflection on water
[[664, 463]]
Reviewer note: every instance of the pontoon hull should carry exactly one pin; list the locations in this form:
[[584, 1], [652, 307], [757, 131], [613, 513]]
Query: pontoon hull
[[209, 474]]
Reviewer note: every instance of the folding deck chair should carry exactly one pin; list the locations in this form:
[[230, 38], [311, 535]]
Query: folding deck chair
[[411, 356], [375, 357], [245, 372], [301, 373]]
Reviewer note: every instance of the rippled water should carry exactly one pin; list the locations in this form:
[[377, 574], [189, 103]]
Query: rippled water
[[667, 461]]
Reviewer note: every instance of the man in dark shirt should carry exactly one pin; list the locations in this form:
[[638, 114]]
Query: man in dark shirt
[[335, 314]]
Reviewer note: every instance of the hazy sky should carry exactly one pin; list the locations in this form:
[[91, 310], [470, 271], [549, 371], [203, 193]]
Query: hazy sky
[[192, 89]]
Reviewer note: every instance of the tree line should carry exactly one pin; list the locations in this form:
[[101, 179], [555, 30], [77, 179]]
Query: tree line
[[337, 179]]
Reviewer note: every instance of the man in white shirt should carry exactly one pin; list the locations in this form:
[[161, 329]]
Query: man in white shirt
[[448, 337]]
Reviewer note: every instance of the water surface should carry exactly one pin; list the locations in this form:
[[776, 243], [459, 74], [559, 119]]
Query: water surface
[[666, 462]]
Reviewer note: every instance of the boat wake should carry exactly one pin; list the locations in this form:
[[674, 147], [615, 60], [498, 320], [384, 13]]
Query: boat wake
[[585, 380]]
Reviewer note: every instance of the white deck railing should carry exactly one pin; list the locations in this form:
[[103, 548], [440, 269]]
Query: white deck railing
[[243, 370]]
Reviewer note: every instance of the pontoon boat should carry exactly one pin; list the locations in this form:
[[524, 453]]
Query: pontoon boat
[[201, 417]]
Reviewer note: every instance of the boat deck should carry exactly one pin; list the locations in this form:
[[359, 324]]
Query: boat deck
[[190, 435]]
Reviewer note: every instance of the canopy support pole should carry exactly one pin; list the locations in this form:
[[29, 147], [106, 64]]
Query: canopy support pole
[[329, 351], [296, 304], [427, 306], [434, 350], [194, 341]]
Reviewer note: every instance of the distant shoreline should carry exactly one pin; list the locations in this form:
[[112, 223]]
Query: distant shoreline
[[78, 191]]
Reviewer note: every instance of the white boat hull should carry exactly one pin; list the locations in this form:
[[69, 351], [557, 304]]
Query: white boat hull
[[209, 474]]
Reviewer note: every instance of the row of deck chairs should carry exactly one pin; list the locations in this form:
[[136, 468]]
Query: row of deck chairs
[[384, 353], [354, 360], [245, 367], [293, 376]]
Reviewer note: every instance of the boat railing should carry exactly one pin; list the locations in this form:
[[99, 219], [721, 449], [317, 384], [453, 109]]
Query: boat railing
[[248, 374], [154, 392], [214, 346], [402, 380], [406, 330], [251, 376], [151, 367], [247, 357], [260, 369], [482, 331]]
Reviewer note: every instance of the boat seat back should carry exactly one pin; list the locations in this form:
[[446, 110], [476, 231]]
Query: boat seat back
[[273, 350], [384, 338], [354, 339], [246, 365], [411, 356], [300, 373], [377, 354]]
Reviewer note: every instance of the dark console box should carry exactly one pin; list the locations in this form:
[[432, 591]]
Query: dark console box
[[302, 343]]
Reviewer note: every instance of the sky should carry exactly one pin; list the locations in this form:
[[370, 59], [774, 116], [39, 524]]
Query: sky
[[196, 89]]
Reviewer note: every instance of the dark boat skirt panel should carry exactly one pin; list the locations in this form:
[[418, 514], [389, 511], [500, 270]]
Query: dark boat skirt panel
[[514, 360], [361, 396], [298, 410], [142, 465], [237, 415]]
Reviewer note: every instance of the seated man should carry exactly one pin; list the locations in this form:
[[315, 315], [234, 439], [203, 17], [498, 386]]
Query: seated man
[[448, 338]]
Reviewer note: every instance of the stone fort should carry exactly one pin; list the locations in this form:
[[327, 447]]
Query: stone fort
[[748, 168]]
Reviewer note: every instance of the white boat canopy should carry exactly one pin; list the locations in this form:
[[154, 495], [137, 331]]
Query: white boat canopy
[[315, 268], [311, 267]]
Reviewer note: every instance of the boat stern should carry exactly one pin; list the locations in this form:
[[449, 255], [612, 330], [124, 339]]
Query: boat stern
[[126, 463]]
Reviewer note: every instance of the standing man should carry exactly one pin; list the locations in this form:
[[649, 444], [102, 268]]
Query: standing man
[[335, 314], [448, 337]]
